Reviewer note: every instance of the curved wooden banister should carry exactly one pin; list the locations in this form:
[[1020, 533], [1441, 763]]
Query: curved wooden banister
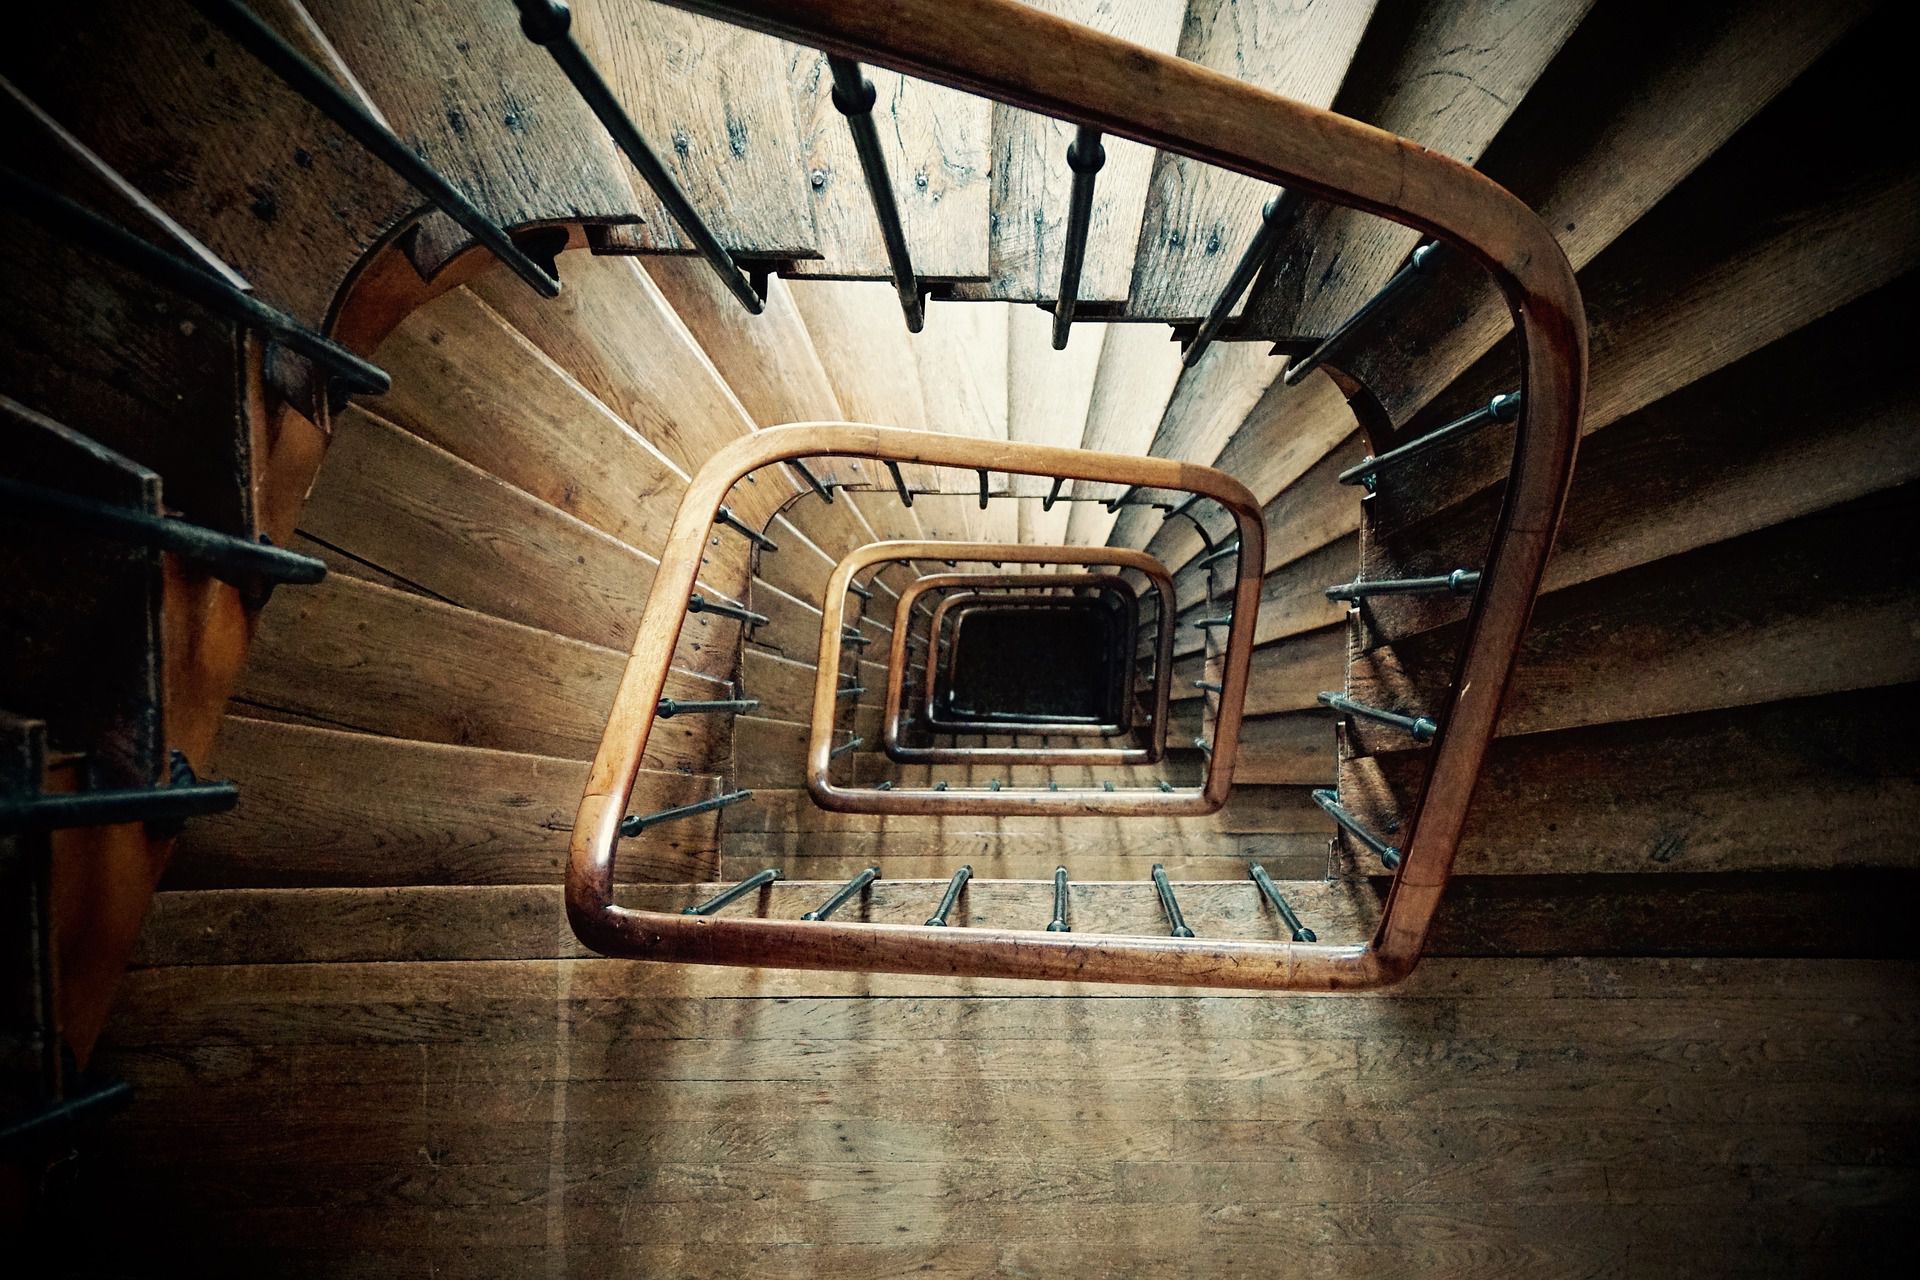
[[1028, 59], [1014, 553]]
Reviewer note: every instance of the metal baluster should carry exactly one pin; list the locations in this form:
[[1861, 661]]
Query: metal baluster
[[1419, 728], [1176, 923], [1207, 624], [697, 603], [546, 23], [1208, 686], [938, 920], [844, 892], [1186, 509], [1220, 553], [1330, 801], [1271, 893], [634, 823], [1204, 747], [668, 708], [860, 591], [726, 517], [1502, 408], [849, 636], [1085, 156], [228, 557], [1053, 494], [849, 745], [850, 691], [813, 480], [81, 225], [983, 488], [1165, 785], [899, 482], [1338, 338], [741, 890], [183, 796], [1461, 582], [1259, 249], [1126, 497], [1059, 922], [324, 93], [853, 97]]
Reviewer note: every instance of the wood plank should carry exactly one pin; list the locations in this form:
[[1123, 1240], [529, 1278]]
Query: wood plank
[[711, 100], [320, 807], [1048, 394], [1032, 184], [1198, 218], [1790, 611], [1137, 372], [242, 162], [504, 128], [1756, 444], [1818, 784], [1249, 811], [466, 380], [356, 655], [1449, 78], [451, 530], [938, 146]]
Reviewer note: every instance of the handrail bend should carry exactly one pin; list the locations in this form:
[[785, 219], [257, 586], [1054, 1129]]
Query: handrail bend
[[1024, 58]]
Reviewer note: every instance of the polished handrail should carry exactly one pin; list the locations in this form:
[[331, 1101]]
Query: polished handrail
[[1037, 62], [957, 608], [893, 717]]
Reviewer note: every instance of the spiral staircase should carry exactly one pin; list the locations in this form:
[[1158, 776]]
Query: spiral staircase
[[355, 516]]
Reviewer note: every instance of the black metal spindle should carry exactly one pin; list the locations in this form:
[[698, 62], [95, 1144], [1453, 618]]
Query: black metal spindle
[[1332, 343], [1461, 582], [842, 894], [849, 636], [1059, 922], [726, 517], [1271, 893], [853, 97], [1126, 498], [938, 920], [984, 477], [1201, 745], [1220, 553], [1208, 686], [1085, 156], [1164, 785], [1419, 728], [899, 482], [165, 806], [697, 603], [849, 745], [81, 225], [226, 556], [813, 482], [1502, 408], [1208, 624], [668, 708], [1176, 923], [547, 23], [738, 891], [860, 591], [1053, 494], [324, 93], [634, 823], [1259, 249], [1330, 801], [850, 691]]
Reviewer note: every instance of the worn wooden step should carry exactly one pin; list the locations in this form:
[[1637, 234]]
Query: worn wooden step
[[324, 807]]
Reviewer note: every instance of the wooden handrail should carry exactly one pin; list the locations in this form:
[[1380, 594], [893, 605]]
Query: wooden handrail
[[1212, 792], [1020, 56], [962, 604], [893, 718]]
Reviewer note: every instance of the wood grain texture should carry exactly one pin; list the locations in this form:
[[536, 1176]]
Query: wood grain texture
[[1821, 784], [1448, 77], [323, 807], [938, 145], [711, 101], [1032, 184], [550, 1121], [1198, 218], [1137, 372], [487, 110], [1048, 394], [356, 655]]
